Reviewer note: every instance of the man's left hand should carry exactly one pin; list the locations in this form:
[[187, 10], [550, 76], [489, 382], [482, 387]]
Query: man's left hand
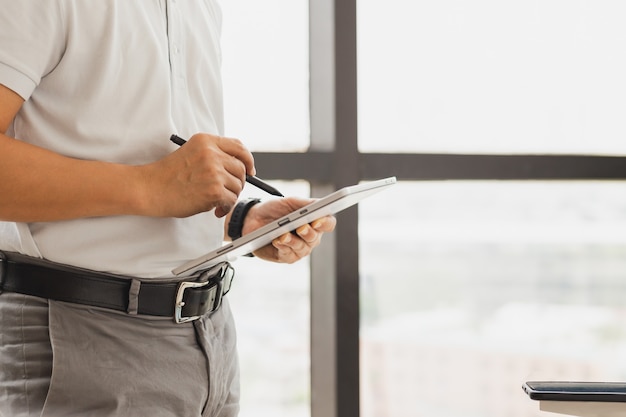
[[289, 247]]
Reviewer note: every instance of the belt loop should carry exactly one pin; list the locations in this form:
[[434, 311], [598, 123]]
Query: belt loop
[[133, 297], [3, 267]]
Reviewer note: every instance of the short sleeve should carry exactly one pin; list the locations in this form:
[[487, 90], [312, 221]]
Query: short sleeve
[[32, 42]]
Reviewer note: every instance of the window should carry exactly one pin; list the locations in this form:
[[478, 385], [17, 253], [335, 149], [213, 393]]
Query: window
[[492, 77], [469, 288], [266, 73], [456, 263], [479, 286]]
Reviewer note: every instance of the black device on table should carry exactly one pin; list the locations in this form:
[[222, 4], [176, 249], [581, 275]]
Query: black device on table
[[576, 391]]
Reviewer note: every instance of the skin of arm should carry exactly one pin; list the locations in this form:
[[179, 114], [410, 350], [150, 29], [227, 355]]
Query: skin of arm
[[39, 185]]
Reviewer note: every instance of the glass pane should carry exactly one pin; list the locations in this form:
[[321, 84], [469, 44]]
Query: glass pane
[[474, 288], [490, 76], [271, 305], [266, 73]]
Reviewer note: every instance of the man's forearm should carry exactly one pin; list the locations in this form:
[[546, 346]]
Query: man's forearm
[[39, 185]]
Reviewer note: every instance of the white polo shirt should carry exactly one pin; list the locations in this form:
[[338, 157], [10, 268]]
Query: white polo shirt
[[112, 80]]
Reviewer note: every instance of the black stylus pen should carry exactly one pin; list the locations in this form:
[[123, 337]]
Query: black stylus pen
[[257, 182]]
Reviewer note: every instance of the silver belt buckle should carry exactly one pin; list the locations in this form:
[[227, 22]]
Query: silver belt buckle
[[220, 277], [178, 311]]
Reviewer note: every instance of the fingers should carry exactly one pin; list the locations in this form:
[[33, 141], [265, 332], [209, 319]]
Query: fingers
[[292, 247], [325, 224], [219, 166], [207, 172], [236, 175], [236, 148]]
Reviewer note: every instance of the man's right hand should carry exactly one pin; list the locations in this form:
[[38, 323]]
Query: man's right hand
[[207, 172]]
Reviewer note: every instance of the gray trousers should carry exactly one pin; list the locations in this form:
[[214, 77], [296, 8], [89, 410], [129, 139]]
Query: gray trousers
[[60, 359]]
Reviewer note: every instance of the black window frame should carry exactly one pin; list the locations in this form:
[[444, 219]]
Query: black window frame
[[334, 160]]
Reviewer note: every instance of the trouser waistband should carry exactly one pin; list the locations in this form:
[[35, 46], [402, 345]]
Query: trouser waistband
[[183, 300]]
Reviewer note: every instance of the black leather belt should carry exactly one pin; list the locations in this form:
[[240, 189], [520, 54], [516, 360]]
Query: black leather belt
[[182, 300]]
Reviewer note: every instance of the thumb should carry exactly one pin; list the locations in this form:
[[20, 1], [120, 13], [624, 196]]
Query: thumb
[[221, 211]]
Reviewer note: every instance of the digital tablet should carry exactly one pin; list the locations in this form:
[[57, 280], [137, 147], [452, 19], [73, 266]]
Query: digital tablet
[[331, 204], [576, 391]]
